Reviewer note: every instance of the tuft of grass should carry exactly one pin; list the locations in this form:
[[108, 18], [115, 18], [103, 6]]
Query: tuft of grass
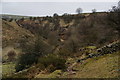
[[55, 74], [91, 47]]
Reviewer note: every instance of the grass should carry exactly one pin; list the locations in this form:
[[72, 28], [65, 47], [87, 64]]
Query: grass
[[91, 47], [99, 67], [54, 74], [12, 33], [8, 69]]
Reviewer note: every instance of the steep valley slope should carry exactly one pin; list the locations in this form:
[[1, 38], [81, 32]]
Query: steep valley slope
[[72, 37]]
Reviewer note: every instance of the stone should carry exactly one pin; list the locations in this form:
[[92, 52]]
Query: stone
[[78, 60]]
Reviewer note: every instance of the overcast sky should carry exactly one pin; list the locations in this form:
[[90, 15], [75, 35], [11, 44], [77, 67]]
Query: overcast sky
[[49, 7], [59, 0]]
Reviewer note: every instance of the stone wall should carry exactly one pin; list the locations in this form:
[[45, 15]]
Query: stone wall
[[108, 49]]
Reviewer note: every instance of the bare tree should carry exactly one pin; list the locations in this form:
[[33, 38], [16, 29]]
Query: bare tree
[[94, 10], [79, 10], [116, 8], [119, 4]]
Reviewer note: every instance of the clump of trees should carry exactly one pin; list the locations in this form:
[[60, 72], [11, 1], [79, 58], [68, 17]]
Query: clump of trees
[[114, 17], [31, 53]]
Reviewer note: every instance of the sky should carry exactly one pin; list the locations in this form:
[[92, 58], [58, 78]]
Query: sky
[[59, 0], [49, 7]]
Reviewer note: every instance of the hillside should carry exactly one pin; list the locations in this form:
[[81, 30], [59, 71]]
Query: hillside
[[15, 38], [12, 37], [102, 66], [99, 67], [12, 33], [14, 17], [80, 27], [68, 46]]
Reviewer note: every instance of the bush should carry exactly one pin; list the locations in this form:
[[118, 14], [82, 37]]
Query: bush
[[11, 55], [55, 15], [32, 53], [53, 62], [25, 61]]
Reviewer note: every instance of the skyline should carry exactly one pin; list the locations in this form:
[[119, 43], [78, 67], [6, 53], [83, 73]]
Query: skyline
[[49, 8]]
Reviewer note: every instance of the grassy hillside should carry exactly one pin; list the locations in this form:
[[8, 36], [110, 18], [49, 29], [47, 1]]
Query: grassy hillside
[[7, 16], [12, 37], [68, 46], [85, 29], [102, 66], [99, 67], [12, 33]]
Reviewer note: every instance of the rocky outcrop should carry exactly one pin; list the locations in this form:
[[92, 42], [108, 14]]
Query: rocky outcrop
[[108, 49]]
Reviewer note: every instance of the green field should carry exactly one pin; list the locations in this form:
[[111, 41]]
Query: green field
[[8, 69]]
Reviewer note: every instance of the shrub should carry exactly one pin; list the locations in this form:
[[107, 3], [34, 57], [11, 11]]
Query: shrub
[[11, 55], [25, 61], [53, 62], [55, 15], [32, 53]]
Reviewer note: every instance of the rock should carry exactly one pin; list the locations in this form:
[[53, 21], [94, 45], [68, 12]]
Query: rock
[[79, 60], [99, 50], [91, 55]]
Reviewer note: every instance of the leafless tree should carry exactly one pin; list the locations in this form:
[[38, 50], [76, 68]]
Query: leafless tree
[[79, 10], [94, 10]]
